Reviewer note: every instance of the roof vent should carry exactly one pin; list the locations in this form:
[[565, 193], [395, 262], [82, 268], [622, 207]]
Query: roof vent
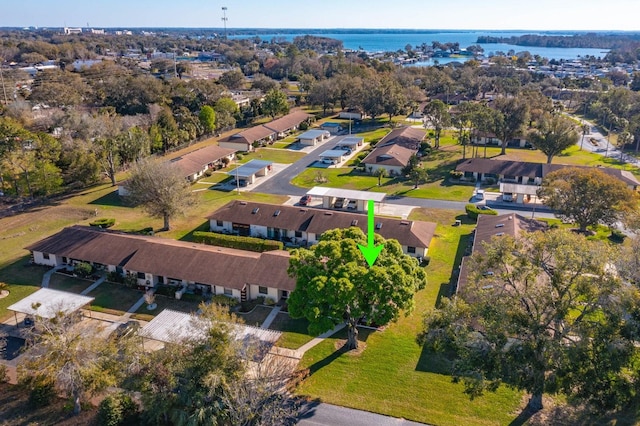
[[256, 210], [354, 222], [510, 217], [500, 225], [378, 225], [276, 213], [328, 214], [303, 210], [404, 222]]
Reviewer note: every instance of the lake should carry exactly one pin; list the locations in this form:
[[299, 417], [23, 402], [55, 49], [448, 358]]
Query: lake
[[387, 41]]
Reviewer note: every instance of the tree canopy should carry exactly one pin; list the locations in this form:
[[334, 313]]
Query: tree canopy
[[544, 313], [436, 114], [587, 196], [159, 189], [553, 135], [275, 103], [335, 285]]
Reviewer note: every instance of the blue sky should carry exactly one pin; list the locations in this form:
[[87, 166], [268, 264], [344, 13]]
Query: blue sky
[[419, 14]]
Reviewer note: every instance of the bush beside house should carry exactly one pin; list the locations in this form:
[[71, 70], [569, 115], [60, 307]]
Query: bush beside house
[[237, 242]]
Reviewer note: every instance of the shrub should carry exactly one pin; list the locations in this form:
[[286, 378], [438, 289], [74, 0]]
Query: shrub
[[237, 242], [208, 173], [223, 300], [303, 126], [103, 222], [41, 394], [166, 290], [83, 269], [115, 277], [454, 174], [473, 211], [425, 261], [146, 231], [617, 236], [490, 181], [269, 301], [118, 409], [239, 156]]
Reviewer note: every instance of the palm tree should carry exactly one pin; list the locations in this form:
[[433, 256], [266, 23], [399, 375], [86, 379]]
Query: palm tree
[[380, 173]]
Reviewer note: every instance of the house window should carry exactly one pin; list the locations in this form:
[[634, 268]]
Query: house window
[[263, 290], [45, 256], [298, 234], [219, 223], [411, 250], [228, 291], [141, 275]]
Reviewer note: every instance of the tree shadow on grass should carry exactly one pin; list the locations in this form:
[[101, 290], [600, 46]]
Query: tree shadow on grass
[[337, 338], [204, 226], [110, 199]]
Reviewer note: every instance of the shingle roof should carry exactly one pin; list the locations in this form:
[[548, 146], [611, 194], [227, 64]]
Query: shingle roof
[[163, 257], [290, 120], [389, 155], [197, 160], [252, 134], [317, 221], [408, 137], [489, 227], [540, 170]]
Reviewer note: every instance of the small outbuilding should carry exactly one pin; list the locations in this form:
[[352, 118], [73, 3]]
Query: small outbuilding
[[333, 156], [332, 127], [313, 137], [350, 143], [47, 303]]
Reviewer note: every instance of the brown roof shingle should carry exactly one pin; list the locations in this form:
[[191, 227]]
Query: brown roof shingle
[[389, 155], [196, 161], [288, 121]]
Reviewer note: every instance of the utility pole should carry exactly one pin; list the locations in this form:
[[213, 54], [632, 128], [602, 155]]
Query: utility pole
[[224, 20]]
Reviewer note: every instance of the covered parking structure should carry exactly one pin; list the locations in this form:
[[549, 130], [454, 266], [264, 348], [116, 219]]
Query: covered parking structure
[[47, 303], [333, 156], [329, 195], [518, 192], [351, 143], [247, 173], [313, 137], [175, 327]]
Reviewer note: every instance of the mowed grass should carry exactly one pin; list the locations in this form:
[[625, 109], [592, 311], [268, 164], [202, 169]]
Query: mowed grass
[[282, 156], [111, 297], [393, 375], [294, 331], [21, 230]]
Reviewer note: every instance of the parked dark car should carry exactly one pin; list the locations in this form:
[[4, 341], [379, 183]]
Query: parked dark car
[[305, 200]]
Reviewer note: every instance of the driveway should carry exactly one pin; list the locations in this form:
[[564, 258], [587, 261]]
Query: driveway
[[333, 415], [280, 183], [596, 142]]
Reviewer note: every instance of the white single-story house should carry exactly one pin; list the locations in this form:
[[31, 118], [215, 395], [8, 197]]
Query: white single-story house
[[332, 127], [521, 172], [392, 158], [352, 114], [286, 124], [153, 261], [246, 174], [246, 140], [303, 226], [313, 137]]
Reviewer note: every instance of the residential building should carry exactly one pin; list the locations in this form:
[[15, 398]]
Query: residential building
[[194, 164], [394, 150], [304, 226], [236, 273]]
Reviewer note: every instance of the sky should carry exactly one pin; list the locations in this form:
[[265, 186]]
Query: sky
[[621, 15]]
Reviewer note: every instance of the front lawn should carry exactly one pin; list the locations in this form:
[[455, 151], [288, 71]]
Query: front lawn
[[111, 297], [65, 282], [393, 375], [281, 156], [294, 331]]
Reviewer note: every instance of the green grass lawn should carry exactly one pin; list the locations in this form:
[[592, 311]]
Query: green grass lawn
[[282, 156], [393, 375], [66, 283], [256, 317], [294, 331], [114, 297], [164, 302]]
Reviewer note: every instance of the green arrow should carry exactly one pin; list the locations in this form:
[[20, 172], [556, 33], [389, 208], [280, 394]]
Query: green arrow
[[371, 252]]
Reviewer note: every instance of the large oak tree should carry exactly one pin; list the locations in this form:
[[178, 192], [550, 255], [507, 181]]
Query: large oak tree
[[553, 135], [587, 196], [544, 313], [334, 285]]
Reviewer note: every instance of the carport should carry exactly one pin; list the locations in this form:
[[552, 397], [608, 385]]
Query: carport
[[47, 303], [329, 196], [519, 193], [350, 142], [332, 156], [312, 137], [248, 172], [171, 326]]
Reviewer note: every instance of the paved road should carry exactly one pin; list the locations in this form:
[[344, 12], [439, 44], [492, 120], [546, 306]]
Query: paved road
[[331, 415], [601, 145], [280, 183]]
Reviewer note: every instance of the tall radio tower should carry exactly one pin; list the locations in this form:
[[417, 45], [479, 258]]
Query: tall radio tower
[[224, 20]]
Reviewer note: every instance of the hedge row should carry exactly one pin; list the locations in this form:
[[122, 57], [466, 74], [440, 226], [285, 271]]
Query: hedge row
[[237, 242], [103, 222], [473, 211]]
